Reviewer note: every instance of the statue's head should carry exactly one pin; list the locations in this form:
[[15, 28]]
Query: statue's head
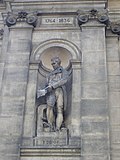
[[55, 62]]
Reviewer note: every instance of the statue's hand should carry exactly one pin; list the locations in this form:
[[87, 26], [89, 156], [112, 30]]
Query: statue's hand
[[49, 88]]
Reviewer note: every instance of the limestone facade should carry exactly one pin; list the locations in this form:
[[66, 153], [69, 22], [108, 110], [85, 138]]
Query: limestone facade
[[85, 35]]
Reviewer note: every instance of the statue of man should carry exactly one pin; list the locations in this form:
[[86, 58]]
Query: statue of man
[[55, 93]]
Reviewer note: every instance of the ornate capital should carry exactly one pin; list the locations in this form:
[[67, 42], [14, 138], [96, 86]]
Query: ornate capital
[[100, 16], [115, 28], [22, 16]]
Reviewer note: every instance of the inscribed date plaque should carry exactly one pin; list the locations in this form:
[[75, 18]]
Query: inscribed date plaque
[[57, 20]]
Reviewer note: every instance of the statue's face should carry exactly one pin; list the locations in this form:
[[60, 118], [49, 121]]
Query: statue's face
[[55, 64]]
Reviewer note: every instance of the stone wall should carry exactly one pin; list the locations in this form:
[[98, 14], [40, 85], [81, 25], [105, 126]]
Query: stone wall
[[114, 4], [113, 66], [93, 119], [94, 109]]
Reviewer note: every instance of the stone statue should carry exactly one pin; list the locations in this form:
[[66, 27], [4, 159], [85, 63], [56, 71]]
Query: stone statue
[[55, 93]]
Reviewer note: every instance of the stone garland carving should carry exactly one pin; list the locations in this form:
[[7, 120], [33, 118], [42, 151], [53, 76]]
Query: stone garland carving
[[101, 16], [21, 16]]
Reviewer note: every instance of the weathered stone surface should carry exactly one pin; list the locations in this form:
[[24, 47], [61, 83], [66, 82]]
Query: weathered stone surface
[[12, 106], [115, 137], [114, 83], [18, 59], [9, 156], [94, 107], [99, 157], [114, 68], [94, 116], [99, 57], [94, 125], [93, 39], [98, 90], [10, 125], [112, 50], [75, 141], [114, 99], [93, 73], [95, 145], [115, 115], [20, 46], [71, 35], [1, 70], [114, 94], [114, 4], [14, 89], [11, 74], [28, 125], [52, 138]]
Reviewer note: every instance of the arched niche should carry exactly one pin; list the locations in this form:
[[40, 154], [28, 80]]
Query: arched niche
[[71, 60], [51, 52], [45, 67], [73, 50]]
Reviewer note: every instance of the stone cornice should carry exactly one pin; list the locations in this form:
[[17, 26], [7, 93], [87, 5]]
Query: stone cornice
[[57, 5], [82, 16]]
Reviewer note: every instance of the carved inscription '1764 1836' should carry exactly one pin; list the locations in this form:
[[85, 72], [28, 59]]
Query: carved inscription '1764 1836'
[[57, 20]]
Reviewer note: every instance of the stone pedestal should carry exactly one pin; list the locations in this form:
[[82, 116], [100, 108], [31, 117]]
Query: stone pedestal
[[52, 138]]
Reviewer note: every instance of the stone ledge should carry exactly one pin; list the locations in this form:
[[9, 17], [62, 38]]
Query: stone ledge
[[51, 151], [57, 5]]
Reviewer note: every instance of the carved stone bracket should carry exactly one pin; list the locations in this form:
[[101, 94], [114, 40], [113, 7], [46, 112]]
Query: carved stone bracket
[[1, 33], [22, 16], [100, 16]]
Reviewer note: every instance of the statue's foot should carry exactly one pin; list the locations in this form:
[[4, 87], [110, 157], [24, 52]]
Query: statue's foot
[[57, 129], [44, 120]]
